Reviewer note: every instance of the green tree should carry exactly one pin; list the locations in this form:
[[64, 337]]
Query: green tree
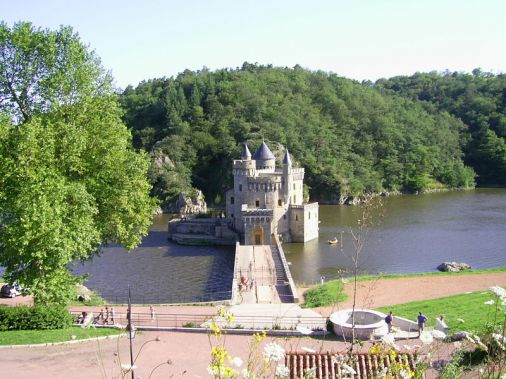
[[69, 179]]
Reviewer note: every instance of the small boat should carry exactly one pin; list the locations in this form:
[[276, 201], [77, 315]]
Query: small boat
[[332, 241]]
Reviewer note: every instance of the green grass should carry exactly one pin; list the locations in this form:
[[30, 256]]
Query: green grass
[[468, 307], [366, 278], [22, 337], [324, 294]]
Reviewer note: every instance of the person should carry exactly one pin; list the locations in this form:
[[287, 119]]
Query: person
[[113, 313], [389, 320], [244, 283], [106, 320], [152, 311], [421, 322], [251, 284], [441, 325], [322, 279], [101, 315]]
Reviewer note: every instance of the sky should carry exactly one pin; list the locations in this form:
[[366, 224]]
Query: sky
[[358, 39]]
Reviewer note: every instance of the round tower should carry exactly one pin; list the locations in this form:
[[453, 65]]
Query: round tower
[[264, 158]]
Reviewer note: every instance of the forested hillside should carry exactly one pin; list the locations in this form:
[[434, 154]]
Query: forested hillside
[[350, 137], [479, 100]]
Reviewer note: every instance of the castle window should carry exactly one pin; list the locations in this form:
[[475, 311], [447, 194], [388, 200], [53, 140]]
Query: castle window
[[296, 217], [309, 215], [257, 203], [293, 185], [280, 202], [240, 187], [284, 217], [232, 200], [232, 215]]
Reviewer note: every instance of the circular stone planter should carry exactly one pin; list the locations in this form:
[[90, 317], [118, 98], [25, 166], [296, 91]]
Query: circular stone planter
[[368, 323]]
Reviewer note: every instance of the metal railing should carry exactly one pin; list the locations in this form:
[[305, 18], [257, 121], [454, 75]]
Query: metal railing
[[160, 320], [168, 298]]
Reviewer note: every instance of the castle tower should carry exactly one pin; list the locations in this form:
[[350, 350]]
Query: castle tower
[[287, 177], [264, 158]]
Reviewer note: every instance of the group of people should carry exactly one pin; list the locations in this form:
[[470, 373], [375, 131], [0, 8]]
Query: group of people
[[106, 318], [421, 320], [244, 285]]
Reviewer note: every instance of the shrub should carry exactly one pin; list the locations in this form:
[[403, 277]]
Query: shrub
[[36, 317]]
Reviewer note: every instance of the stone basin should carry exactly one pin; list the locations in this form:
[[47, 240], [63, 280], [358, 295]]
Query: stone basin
[[368, 323]]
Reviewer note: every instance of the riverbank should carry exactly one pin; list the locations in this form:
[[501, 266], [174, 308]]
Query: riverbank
[[390, 291]]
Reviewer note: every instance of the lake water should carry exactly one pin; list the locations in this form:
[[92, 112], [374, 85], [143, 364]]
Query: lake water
[[413, 234], [160, 271]]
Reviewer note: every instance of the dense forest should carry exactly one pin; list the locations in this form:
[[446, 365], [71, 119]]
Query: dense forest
[[351, 137], [479, 100]]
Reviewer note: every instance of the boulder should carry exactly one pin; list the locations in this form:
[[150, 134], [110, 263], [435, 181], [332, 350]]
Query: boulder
[[453, 266], [191, 205]]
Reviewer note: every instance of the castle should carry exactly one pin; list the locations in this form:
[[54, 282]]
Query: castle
[[267, 200]]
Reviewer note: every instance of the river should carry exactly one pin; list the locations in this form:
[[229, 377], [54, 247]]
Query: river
[[410, 233]]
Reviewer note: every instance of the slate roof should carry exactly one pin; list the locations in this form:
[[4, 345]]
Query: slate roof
[[263, 153], [287, 159], [245, 152], [327, 364]]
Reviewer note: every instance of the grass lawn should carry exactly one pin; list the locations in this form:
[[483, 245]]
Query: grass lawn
[[324, 294], [469, 307], [21, 337]]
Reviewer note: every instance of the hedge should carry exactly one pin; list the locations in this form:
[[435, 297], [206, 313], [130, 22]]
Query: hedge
[[36, 317]]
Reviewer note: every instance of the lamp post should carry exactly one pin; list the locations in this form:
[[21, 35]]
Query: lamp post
[[131, 333]]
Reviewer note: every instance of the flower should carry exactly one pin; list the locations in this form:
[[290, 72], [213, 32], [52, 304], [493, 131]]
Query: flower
[[273, 352], [404, 374], [426, 338], [499, 291], [383, 372], [282, 372], [303, 330], [247, 374], [308, 350], [237, 361], [388, 339], [438, 334], [128, 367], [500, 340], [490, 302], [348, 369], [73, 337]]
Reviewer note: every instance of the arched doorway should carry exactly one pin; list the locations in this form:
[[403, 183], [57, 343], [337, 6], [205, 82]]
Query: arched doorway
[[258, 235]]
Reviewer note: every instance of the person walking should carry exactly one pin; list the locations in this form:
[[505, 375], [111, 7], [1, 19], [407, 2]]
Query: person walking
[[113, 314], [421, 322], [389, 320], [152, 312], [106, 319]]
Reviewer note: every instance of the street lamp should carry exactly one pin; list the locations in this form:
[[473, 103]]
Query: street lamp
[[131, 332]]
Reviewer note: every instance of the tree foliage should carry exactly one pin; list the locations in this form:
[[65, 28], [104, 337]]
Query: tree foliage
[[350, 137], [69, 180], [479, 100]]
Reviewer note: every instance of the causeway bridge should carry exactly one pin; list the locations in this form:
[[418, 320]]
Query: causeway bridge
[[262, 275]]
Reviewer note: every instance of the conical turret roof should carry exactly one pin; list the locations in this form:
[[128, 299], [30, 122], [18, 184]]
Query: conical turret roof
[[263, 153], [246, 154], [287, 160]]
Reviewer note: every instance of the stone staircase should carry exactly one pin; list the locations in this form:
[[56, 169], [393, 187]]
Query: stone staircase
[[282, 285]]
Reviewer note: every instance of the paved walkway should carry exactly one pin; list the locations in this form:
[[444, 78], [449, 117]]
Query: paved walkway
[[256, 265]]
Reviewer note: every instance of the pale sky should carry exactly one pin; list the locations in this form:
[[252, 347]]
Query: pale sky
[[358, 39]]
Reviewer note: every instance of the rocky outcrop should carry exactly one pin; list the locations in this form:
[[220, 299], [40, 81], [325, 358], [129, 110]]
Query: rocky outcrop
[[453, 267], [186, 204]]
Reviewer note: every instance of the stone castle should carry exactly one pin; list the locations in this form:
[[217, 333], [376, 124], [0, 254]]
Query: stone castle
[[267, 200]]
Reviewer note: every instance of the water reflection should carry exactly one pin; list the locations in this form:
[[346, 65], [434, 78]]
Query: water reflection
[[414, 234], [161, 272]]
